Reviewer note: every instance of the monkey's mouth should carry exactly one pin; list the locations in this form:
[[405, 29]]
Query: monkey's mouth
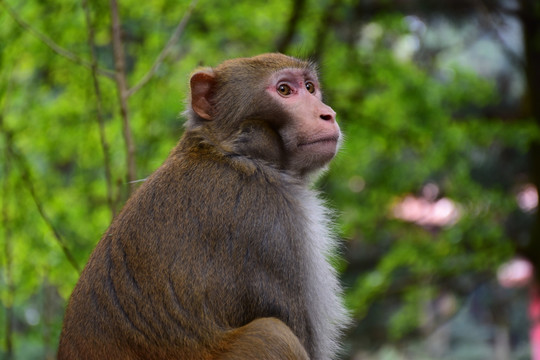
[[329, 140]]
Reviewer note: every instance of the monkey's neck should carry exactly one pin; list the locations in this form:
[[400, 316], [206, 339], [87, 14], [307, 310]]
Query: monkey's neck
[[241, 153]]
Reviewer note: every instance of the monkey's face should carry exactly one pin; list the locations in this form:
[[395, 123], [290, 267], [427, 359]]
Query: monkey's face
[[267, 107], [310, 133]]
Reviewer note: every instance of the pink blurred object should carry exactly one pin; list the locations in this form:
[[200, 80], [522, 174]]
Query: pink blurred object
[[527, 198], [426, 210], [517, 272], [534, 316]]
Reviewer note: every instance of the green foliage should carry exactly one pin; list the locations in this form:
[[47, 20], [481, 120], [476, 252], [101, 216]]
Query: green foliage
[[405, 125]]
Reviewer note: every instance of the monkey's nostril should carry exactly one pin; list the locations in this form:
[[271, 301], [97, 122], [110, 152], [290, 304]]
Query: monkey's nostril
[[326, 117]]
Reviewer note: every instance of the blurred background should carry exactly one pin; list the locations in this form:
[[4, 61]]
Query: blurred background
[[435, 188]]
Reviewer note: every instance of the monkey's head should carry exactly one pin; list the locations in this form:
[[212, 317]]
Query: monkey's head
[[266, 107]]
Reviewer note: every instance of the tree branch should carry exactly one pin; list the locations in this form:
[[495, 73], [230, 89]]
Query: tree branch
[[121, 86], [10, 315], [327, 21], [286, 39], [99, 108], [51, 44], [172, 40]]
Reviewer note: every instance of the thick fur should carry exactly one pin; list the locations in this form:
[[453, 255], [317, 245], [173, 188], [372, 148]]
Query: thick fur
[[220, 254]]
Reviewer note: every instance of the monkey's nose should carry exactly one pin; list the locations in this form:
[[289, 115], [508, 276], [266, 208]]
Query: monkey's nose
[[328, 115]]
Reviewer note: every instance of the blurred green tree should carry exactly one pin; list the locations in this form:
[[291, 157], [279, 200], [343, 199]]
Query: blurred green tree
[[81, 123]]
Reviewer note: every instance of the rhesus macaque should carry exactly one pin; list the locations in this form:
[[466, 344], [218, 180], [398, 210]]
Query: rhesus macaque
[[221, 253]]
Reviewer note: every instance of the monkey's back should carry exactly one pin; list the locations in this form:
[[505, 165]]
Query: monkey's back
[[209, 241]]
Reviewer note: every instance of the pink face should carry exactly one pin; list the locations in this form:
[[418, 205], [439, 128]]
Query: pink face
[[311, 138]]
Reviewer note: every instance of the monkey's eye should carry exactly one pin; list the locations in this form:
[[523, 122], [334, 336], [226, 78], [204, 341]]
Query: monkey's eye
[[284, 89], [310, 87]]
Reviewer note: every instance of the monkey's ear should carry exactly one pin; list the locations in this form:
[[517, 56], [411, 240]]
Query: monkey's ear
[[201, 84]]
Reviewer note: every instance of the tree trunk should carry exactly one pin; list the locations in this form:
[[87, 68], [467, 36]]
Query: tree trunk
[[530, 19]]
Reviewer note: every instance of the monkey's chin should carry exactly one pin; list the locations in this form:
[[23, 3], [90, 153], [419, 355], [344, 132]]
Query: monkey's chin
[[313, 160]]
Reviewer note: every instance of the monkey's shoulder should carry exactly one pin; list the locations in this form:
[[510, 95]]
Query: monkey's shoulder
[[205, 182]]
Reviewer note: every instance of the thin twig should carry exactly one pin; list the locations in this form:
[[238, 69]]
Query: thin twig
[[51, 44], [121, 87], [159, 60], [10, 316], [99, 108], [27, 179]]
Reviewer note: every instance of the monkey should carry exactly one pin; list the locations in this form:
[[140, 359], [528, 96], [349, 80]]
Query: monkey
[[222, 253]]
